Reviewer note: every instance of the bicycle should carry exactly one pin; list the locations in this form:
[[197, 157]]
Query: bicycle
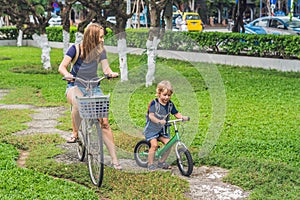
[[184, 158], [90, 141]]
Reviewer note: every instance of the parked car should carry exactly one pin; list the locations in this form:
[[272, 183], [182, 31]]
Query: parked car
[[55, 21], [192, 21], [111, 19], [281, 25]]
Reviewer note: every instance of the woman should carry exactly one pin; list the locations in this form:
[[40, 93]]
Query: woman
[[91, 53]]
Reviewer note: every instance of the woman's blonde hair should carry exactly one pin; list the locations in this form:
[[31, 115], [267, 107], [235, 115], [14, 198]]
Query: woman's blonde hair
[[92, 45], [162, 86]]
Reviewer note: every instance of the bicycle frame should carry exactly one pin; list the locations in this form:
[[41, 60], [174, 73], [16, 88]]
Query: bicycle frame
[[184, 158], [174, 140]]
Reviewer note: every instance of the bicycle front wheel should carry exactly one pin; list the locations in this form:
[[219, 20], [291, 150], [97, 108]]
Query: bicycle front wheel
[[81, 142], [141, 151], [95, 153], [185, 162]]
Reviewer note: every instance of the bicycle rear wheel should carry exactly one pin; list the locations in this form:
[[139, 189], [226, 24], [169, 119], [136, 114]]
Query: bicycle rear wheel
[[141, 151], [185, 162], [81, 142], [95, 153]]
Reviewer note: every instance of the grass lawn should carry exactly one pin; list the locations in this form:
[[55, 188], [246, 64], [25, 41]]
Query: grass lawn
[[242, 119]]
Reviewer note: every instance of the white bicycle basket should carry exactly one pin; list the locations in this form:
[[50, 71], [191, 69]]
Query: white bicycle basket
[[93, 107]]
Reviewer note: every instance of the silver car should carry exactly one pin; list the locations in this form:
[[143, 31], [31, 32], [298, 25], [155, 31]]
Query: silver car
[[280, 25]]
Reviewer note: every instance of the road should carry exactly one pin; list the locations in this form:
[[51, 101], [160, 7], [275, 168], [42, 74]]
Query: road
[[216, 29]]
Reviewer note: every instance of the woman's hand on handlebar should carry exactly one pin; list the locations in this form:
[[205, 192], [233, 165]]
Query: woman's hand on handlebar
[[69, 77], [112, 75]]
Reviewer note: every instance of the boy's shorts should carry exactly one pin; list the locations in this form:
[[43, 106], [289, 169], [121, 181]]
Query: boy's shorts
[[150, 136]]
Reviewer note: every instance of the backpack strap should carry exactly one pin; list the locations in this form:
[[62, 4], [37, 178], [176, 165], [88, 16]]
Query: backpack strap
[[157, 107], [170, 106], [75, 58]]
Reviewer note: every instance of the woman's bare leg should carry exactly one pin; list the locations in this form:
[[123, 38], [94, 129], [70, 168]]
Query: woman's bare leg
[[108, 138], [71, 98]]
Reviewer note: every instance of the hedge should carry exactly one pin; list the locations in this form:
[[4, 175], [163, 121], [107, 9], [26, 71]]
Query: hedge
[[279, 46]]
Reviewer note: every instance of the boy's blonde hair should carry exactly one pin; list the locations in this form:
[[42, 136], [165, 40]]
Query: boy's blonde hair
[[162, 86]]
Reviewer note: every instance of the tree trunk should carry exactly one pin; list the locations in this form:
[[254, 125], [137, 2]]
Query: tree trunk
[[152, 44], [202, 10], [269, 7], [238, 16], [155, 34], [43, 43], [79, 37], [1, 22], [122, 50], [66, 40], [65, 14], [20, 38]]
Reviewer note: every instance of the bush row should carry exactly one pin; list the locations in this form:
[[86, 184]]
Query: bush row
[[279, 46]]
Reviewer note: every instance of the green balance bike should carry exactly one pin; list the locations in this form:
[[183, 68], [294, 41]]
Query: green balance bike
[[184, 158]]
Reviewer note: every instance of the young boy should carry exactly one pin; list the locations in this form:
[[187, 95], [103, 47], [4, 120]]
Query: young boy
[[158, 113]]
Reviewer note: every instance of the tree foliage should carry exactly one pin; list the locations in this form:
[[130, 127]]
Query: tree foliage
[[30, 16]]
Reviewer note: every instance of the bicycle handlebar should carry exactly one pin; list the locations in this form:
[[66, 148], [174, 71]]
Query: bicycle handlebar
[[94, 80], [176, 120]]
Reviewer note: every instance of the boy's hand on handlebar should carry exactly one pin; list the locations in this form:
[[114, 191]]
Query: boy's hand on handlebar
[[185, 118], [162, 122]]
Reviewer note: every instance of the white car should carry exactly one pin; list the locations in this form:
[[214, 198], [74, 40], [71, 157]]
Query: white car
[[111, 19], [55, 21]]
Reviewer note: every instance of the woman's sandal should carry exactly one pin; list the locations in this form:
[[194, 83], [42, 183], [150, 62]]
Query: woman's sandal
[[72, 139], [163, 165], [117, 166]]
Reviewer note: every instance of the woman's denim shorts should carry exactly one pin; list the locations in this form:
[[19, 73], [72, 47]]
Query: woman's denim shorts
[[96, 90]]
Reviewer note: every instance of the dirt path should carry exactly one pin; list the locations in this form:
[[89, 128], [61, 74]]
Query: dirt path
[[205, 182]]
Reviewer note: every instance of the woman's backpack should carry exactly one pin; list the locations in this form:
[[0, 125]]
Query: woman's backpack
[[75, 58]]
